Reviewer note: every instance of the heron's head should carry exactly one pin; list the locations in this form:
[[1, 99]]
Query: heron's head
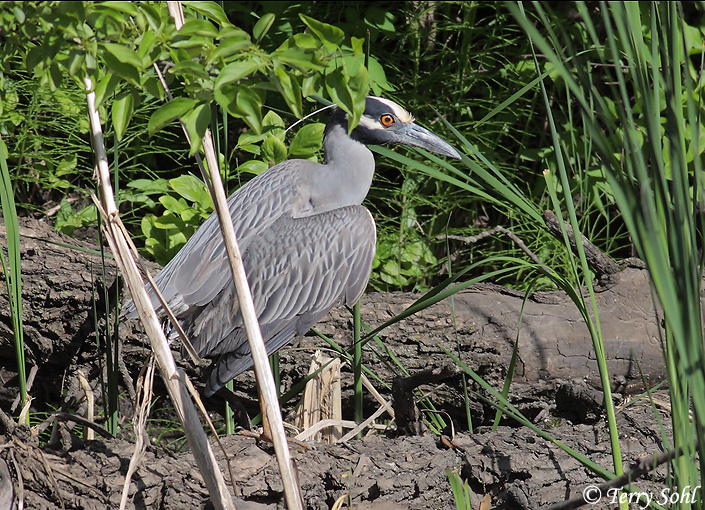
[[386, 123]]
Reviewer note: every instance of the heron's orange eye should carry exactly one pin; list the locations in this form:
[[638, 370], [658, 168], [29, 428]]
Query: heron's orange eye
[[386, 120]]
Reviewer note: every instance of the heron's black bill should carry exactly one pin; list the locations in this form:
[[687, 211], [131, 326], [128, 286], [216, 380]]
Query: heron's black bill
[[416, 136]]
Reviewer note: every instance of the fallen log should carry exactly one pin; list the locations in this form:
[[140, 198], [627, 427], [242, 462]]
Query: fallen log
[[481, 324]]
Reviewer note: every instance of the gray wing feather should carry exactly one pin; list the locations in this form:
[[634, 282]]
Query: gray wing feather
[[298, 269], [199, 272]]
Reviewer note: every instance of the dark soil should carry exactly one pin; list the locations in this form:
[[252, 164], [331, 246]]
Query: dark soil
[[556, 386]]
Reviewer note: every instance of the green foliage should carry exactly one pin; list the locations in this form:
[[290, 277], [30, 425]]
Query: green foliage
[[186, 202], [631, 91], [11, 268], [68, 219], [461, 490], [116, 45]]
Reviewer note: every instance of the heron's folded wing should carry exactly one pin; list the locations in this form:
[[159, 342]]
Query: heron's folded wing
[[298, 270], [199, 271]]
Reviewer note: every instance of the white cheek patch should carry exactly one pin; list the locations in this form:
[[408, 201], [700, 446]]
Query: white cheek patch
[[369, 123]]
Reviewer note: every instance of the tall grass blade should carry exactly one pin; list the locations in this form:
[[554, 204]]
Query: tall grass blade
[[12, 268], [645, 126]]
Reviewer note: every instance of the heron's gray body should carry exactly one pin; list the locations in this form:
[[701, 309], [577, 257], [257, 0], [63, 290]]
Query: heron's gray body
[[306, 242]]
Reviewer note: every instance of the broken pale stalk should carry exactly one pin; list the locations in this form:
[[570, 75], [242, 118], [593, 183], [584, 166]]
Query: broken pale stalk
[[202, 452], [269, 404]]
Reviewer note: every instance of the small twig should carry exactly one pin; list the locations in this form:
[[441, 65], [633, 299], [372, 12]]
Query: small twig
[[322, 424], [52, 478], [641, 467], [139, 421], [367, 423], [600, 262], [408, 417], [88, 432], [60, 415], [77, 480], [511, 235], [376, 395]]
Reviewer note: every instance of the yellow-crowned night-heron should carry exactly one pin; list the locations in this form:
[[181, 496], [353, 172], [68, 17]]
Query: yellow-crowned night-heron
[[307, 244]]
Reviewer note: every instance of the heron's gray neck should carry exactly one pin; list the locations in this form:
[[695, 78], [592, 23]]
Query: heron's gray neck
[[348, 170]]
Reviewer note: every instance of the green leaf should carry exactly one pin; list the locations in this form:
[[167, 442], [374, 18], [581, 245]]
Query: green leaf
[[33, 60], [330, 36], [198, 27], [192, 189], [169, 112], [249, 138], [307, 141], [190, 68], [150, 186], [358, 83], [357, 44], [66, 165], [77, 59], [190, 44], [312, 85], [300, 59], [234, 72], [273, 150], [121, 111], [148, 48], [337, 88], [127, 72], [170, 220], [156, 17], [124, 7], [302, 41], [289, 89], [377, 77], [211, 10], [54, 77], [230, 46], [196, 122], [231, 32], [273, 125], [124, 54], [177, 237], [349, 92], [174, 205], [253, 166], [250, 104], [147, 224], [262, 26], [19, 15]]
